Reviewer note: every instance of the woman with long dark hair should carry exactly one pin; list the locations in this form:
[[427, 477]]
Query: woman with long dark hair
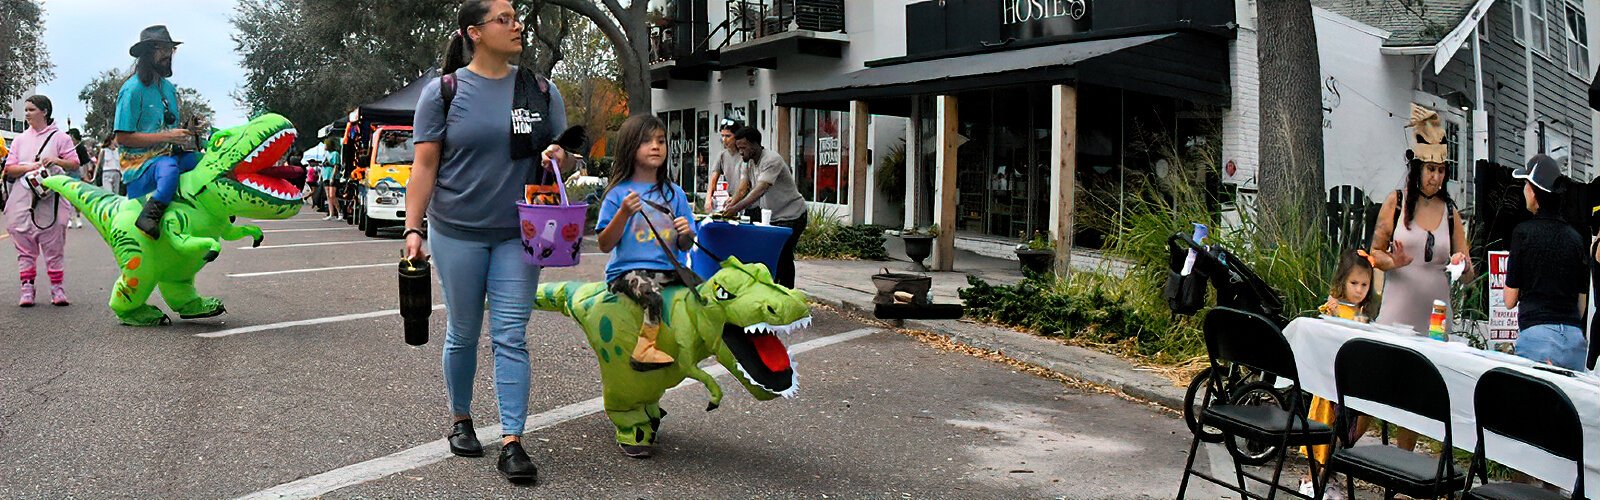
[[1419, 233], [36, 221], [480, 130]]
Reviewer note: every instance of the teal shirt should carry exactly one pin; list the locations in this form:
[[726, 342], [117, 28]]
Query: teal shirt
[[143, 109]]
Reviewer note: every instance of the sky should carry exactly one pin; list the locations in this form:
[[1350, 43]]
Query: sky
[[86, 37]]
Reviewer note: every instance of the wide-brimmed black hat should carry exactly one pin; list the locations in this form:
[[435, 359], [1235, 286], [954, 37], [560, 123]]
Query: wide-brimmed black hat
[[149, 37]]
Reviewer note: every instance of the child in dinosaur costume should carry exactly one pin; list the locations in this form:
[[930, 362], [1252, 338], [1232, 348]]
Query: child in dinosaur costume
[[734, 316], [236, 177]]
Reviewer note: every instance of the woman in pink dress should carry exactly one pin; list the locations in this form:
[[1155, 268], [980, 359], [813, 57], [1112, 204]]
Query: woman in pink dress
[[1419, 233]]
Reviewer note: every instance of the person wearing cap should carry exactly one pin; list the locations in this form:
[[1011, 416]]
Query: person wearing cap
[[155, 149], [1545, 272]]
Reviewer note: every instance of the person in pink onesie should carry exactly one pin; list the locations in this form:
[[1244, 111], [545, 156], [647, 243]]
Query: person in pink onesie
[[37, 224]]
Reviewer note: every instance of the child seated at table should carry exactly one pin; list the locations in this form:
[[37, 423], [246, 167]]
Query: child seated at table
[[1349, 298]]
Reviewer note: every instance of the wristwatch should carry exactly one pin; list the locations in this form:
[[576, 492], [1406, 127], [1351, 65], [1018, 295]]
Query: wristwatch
[[410, 230]]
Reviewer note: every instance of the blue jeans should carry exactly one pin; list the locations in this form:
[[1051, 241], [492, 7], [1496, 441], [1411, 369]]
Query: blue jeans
[[160, 178], [468, 272], [1560, 345]]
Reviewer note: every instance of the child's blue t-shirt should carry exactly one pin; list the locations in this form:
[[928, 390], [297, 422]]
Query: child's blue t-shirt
[[637, 248]]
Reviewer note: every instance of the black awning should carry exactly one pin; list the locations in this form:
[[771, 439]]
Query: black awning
[[399, 106], [1191, 66]]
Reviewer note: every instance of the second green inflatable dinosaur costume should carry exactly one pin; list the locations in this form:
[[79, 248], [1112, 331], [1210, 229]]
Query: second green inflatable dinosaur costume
[[236, 177], [735, 316]]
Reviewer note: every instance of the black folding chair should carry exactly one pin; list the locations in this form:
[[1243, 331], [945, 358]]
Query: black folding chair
[[1402, 378], [1241, 338], [1533, 411]]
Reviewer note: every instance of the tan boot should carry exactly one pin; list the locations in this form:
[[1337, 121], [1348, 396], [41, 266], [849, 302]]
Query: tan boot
[[646, 356]]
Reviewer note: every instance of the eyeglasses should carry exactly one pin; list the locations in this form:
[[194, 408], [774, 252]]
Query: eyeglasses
[[1427, 251], [507, 20], [166, 109]]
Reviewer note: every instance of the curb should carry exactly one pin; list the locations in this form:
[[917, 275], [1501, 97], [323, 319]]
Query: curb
[[1076, 362]]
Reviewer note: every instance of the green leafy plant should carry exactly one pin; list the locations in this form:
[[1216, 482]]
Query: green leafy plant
[[921, 231], [826, 238], [1039, 242], [892, 173], [1127, 310]]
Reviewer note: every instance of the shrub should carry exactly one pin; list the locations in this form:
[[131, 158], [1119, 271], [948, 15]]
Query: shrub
[[1128, 309], [827, 238]]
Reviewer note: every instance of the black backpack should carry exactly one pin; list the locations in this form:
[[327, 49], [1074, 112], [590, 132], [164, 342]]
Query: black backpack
[[527, 109]]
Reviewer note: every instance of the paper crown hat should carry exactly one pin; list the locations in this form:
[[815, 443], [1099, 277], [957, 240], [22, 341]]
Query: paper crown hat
[[1427, 138]]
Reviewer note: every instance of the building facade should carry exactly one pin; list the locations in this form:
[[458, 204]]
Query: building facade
[[1000, 117], [994, 118]]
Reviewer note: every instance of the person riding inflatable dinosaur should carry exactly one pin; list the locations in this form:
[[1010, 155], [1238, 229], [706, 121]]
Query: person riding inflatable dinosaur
[[236, 177], [733, 316]]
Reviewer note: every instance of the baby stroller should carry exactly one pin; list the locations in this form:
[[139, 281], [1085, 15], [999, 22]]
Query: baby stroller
[[1238, 287]]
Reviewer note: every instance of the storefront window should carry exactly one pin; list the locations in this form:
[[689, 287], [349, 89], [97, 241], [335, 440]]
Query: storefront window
[[805, 163], [681, 148], [822, 156], [702, 153]]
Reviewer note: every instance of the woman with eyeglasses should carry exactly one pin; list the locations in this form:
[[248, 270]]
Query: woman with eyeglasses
[[1419, 233], [37, 222], [484, 132]]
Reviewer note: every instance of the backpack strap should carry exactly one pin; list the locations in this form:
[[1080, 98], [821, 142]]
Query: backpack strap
[[1449, 206], [447, 91]]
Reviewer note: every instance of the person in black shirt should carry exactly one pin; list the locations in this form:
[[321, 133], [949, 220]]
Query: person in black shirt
[[1546, 271]]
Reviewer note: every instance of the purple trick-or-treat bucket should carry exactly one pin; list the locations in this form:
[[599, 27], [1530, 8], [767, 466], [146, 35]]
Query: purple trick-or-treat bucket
[[552, 234]]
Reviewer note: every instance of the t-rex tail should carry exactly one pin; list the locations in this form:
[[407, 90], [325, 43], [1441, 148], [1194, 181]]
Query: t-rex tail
[[563, 296], [97, 205]]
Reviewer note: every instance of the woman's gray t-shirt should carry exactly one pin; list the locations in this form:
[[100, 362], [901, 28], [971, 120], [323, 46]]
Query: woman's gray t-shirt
[[479, 184]]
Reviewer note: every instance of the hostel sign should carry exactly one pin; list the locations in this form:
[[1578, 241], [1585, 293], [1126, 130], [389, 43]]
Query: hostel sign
[[1022, 19]]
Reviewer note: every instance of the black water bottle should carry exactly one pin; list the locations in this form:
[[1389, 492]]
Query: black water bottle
[[416, 299]]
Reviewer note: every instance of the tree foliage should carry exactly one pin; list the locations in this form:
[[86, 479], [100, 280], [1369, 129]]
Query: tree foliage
[[628, 30], [99, 99], [315, 60], [24, 59], [588, 78]]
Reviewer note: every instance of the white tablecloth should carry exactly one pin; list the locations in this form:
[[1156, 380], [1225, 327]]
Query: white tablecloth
[[1316, 341]]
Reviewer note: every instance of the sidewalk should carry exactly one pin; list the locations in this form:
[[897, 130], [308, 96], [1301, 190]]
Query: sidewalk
[[847, 285]]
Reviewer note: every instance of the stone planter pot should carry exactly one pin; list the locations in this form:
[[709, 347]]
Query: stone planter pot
[[918, 249], [1037, 261]]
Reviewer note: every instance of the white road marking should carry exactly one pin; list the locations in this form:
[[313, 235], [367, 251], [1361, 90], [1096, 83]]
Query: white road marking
[[323, 244], [312, 270], [305, 230], [436, 451], [304, 322]]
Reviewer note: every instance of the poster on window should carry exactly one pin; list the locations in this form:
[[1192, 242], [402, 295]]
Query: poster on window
[[828, 157], [1502, 320]]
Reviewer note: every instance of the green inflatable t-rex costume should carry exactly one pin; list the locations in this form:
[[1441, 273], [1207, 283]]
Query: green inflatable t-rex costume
[[734, 316], [235, 178]]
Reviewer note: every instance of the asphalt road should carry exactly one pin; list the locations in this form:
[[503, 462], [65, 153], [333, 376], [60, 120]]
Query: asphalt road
[[342, 408]]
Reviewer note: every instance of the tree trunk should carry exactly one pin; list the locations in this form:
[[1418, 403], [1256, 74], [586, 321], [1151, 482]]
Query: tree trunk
[[1291, 172], [629, 33]]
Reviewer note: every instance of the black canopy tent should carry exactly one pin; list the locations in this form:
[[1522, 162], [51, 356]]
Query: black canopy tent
[[396, 108], [399, 106]]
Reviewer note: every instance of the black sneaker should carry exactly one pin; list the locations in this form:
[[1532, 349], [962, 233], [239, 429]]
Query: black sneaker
[[464, 439], [516, 466], [150, 218], [637, 450]]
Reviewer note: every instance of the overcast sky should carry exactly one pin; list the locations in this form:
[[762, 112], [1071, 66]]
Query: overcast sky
[[86, 37]]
